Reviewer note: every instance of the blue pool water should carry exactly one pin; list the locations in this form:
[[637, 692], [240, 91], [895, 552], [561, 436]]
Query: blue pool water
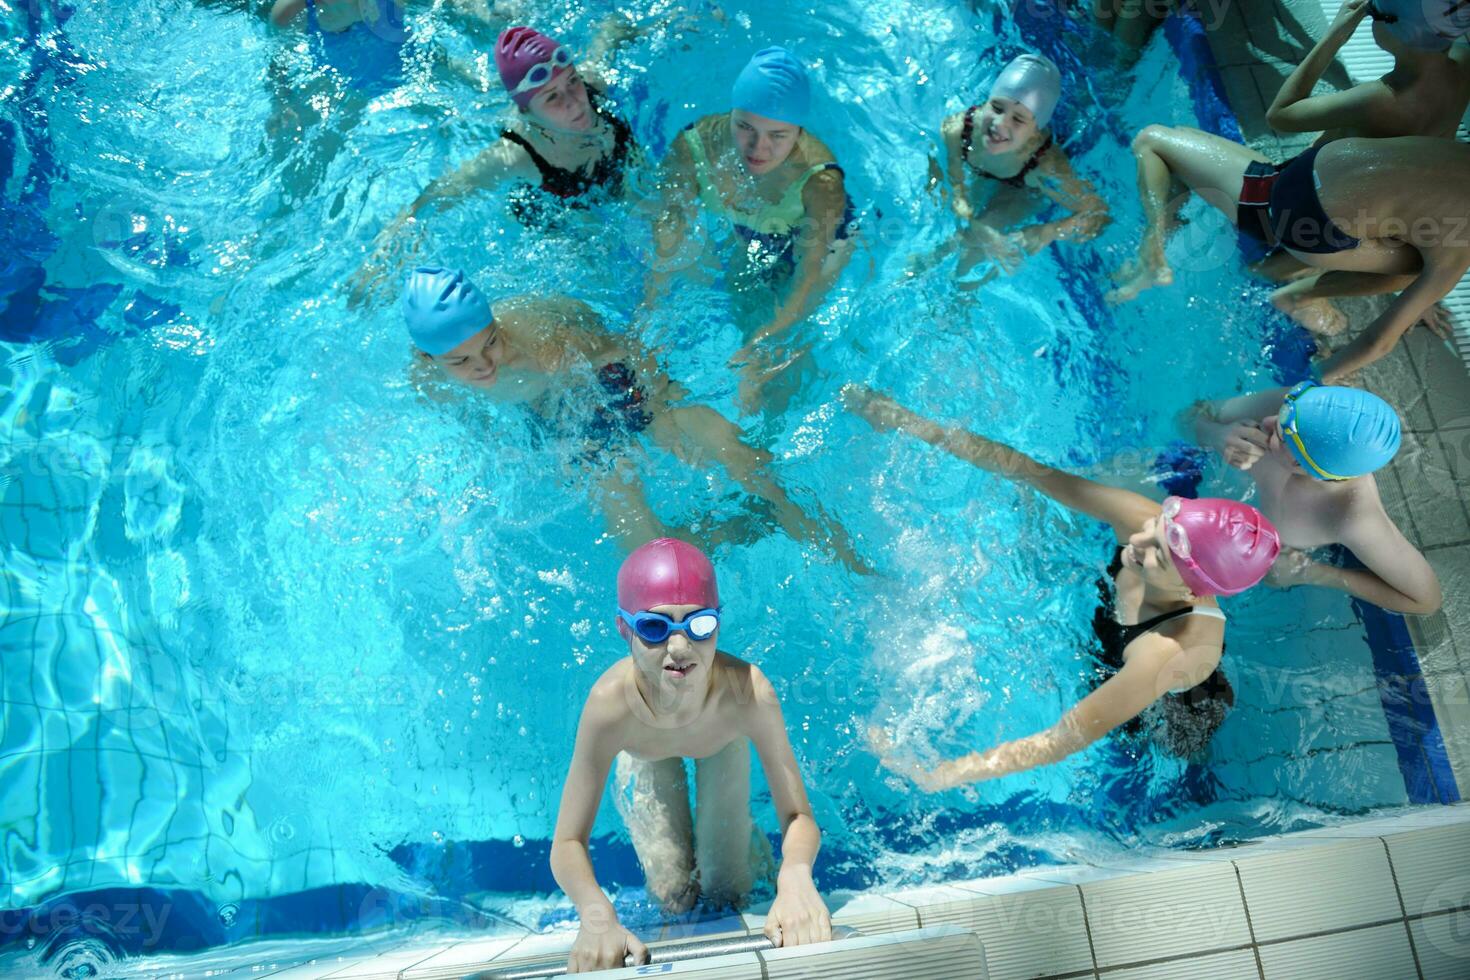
[[280, 638]]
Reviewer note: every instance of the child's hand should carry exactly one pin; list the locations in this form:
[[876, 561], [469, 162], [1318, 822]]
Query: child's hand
[[798, 915], [1007, 251], [1291, 568], [1245, 444], [604, 946]]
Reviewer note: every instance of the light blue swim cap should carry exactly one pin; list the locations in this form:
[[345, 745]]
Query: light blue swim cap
[[443, 309], [1340, 432], [774, 84]]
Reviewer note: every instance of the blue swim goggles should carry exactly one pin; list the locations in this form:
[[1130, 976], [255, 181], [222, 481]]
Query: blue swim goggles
[[653, 627]]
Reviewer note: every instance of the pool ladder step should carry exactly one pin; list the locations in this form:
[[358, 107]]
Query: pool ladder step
[[936, 953]]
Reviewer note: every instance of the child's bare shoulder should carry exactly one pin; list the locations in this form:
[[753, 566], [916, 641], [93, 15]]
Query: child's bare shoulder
[[607, 702], [744, 682]]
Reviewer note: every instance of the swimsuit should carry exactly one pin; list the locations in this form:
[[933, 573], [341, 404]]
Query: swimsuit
[[532, 206], [1280, 205], [1114, 636], [770, 232], [368, 56], [1019, 180], [625, 412]]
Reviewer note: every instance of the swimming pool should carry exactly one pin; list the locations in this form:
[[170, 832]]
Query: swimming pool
[[280, 638]]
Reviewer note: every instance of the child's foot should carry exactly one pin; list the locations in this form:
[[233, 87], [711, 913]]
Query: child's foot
[[1319, 316], [1135, 277]]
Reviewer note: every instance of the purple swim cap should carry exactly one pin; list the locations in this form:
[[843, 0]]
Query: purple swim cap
[[666, 572], [517, 51]]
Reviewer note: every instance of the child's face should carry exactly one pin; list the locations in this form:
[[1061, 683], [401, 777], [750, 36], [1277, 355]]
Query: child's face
[[678, 664], [764, 144], [562, 103], [476, 362], [1005, 125]]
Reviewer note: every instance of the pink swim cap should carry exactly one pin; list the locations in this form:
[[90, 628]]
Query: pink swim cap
[[1231, 545], [666, 572], [517, 51]]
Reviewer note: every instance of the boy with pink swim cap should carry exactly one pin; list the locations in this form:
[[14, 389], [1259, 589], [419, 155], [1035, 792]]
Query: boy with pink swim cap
[[1165, 629], [676, 696]]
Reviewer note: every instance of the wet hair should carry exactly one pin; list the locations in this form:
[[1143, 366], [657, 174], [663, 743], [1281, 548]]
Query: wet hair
[[1192, 717]]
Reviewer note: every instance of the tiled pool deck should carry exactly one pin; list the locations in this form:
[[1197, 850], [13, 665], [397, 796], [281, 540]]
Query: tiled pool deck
[[1380, 899], [1427, 488]]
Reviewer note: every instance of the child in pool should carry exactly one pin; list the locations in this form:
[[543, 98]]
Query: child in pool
[[1167, 631], [1002, 163], [1311, 451], [676, 696], [780, 188], [563, 145], [528, 352]]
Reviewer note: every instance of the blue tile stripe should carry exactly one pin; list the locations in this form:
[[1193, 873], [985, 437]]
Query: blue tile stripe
[[1401, 690]]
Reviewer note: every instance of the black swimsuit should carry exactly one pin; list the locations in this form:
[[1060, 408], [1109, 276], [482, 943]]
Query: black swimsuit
[[1019, 180], [531, 204], [1114, 636]]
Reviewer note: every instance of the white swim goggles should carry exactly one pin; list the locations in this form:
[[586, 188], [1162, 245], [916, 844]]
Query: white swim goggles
[[541, 73]]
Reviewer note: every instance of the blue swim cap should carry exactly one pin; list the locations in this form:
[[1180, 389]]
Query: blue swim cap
[[443, 309], [1339, 433], [774, 84]]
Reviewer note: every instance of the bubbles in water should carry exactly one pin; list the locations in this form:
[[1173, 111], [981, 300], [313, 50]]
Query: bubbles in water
[[228, 914]]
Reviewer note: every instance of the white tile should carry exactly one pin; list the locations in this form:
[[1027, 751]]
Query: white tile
[[314, 969], [1432, 866], [1238, 964], [388, 966], [922, 895], [1379, 953], [1003, 884], [1151, 916], [1313, 889], [933, 954], [1443, 945], [1038, 933], [872, 913], [461, 958], [735, 966]]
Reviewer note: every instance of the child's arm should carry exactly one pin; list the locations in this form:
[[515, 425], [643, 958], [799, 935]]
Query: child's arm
[[602, 942], [1089, 212], [1153, 667], [1297, 110], [1441, 273], [954, 165], [679, 194], [285, 11], [798, 915], [500, 161], [1125, 510], [1397, 577], [1231, 427], [825, 200]]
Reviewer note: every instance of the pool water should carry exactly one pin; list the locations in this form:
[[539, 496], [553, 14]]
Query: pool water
[[273, 624]]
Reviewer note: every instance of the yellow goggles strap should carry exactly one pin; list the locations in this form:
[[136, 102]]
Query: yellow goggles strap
[[1296, 440]]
